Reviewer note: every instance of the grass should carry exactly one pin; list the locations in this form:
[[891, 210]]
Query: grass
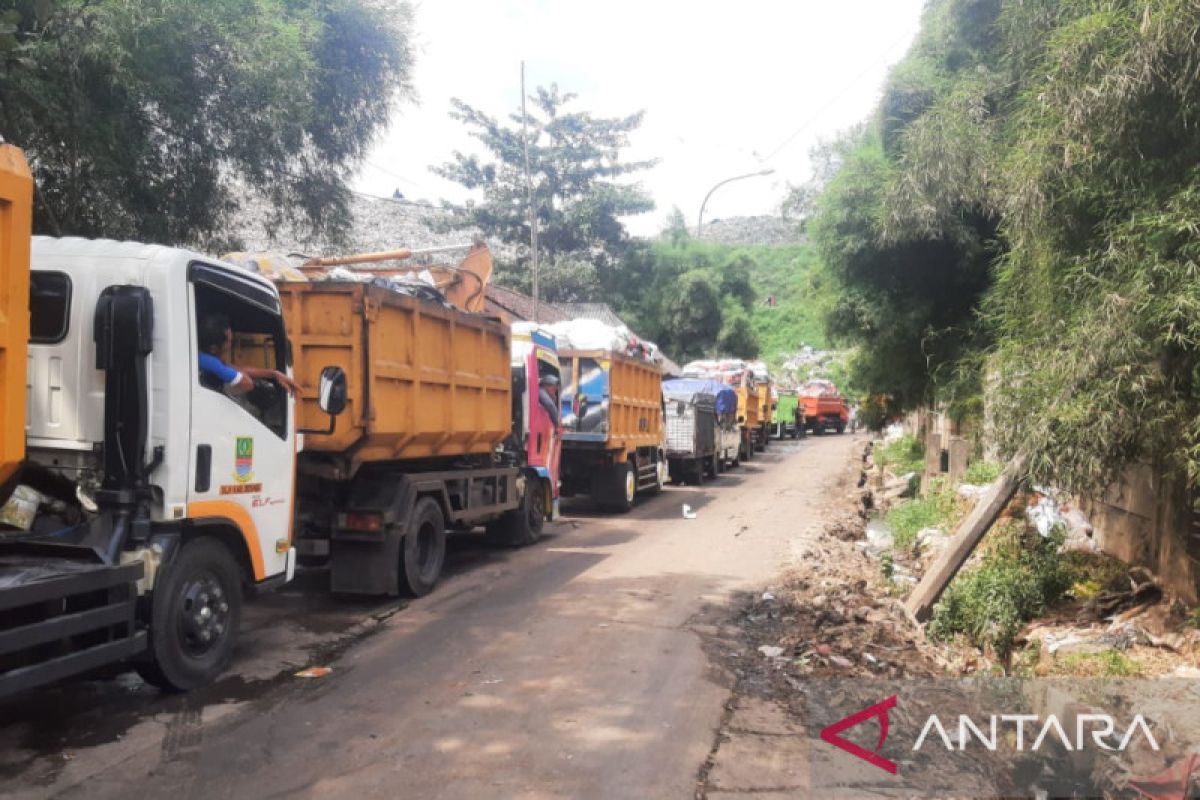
[[938, 509], [981, 473], [1106, 664], [902, 456]]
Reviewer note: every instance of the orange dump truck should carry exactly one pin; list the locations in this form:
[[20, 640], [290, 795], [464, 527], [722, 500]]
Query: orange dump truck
[[612, 411], [824, 407], [16, 189], [427, 439]]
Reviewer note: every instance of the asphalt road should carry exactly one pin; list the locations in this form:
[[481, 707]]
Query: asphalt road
[[574, 668]]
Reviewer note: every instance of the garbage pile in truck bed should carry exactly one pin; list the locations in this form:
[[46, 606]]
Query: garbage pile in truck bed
[[726, 368], [592, 334], [418, 282]]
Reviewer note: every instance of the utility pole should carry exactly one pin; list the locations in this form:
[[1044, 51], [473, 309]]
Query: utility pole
[[533, 219]]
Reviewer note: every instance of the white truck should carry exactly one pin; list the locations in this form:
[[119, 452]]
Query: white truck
[[158, 498]]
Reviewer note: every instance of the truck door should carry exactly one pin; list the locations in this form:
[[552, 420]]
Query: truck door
[[243, 442]]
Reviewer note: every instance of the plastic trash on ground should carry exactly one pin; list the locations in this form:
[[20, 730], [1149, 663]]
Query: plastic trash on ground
[[1043, 513], [687, 512], [314, 672], [21, 508]]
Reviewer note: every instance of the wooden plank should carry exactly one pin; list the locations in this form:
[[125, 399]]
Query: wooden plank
[[987, 509]]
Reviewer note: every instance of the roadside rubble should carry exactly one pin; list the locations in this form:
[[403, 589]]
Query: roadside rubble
[[839, 614], [830, 616]]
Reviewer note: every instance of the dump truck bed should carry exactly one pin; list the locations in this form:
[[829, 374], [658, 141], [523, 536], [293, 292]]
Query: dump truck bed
[[16, 192], [424, 381], [624, 400], [749, 406]]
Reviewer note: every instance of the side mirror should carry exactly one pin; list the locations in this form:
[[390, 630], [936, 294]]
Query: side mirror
[[331, 396]]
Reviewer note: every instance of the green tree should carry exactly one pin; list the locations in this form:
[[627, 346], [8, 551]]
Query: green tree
[[577, 171], [1032, 178], [693, 315], [148, 119], [737, 337]]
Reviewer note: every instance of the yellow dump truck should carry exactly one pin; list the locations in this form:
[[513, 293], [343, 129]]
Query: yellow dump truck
[[613, 435], [16, 193], [749, 413], [421, 444]]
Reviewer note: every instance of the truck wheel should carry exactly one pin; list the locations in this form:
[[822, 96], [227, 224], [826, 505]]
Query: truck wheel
[[623, 489], [523, 525], [196, 607], [841, 427], [712, 467], [423, 550]]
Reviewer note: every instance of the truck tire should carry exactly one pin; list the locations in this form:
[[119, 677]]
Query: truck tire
[[523, 525], [195, 611], [622, 489], [712, 465], [423, 550], [841, 427]]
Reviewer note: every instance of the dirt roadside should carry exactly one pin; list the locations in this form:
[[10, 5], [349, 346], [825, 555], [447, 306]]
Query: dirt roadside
[[828, 614]]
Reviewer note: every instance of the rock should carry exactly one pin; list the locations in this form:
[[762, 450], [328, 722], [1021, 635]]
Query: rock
[[841, 661], [771, 651], [767, 596]]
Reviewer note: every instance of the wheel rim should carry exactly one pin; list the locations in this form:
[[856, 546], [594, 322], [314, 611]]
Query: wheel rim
[[203, 613], [630, 485]]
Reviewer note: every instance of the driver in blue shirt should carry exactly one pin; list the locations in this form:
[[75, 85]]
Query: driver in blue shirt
[[216, 337]]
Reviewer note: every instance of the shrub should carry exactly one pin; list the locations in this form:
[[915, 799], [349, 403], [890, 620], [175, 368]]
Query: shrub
[[1018, 577]]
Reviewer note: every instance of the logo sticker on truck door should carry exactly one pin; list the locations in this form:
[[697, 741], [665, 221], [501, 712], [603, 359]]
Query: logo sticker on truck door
[[243, 461]]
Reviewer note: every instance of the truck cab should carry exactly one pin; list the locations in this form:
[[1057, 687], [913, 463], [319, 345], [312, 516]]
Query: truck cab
[[535, 359], [155, 493]]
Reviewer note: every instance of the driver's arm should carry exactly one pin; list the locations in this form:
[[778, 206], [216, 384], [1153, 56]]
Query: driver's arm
[[230, 377], [259, 373]]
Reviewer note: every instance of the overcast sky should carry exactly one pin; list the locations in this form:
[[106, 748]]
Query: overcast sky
[[727, 88]]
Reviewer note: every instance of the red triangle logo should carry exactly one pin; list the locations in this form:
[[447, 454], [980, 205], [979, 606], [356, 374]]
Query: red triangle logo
[[880, 710]]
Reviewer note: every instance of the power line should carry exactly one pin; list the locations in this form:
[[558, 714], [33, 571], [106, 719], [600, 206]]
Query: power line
[[387, 171], [834, 100]]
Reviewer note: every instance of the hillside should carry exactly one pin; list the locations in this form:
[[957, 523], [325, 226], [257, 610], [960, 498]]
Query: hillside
[[790, 277]]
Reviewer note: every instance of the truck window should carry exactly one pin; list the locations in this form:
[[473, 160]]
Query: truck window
[[49, 307], [257, 339]]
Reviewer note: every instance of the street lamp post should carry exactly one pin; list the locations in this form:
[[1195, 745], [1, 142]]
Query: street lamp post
[[700, 222]]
